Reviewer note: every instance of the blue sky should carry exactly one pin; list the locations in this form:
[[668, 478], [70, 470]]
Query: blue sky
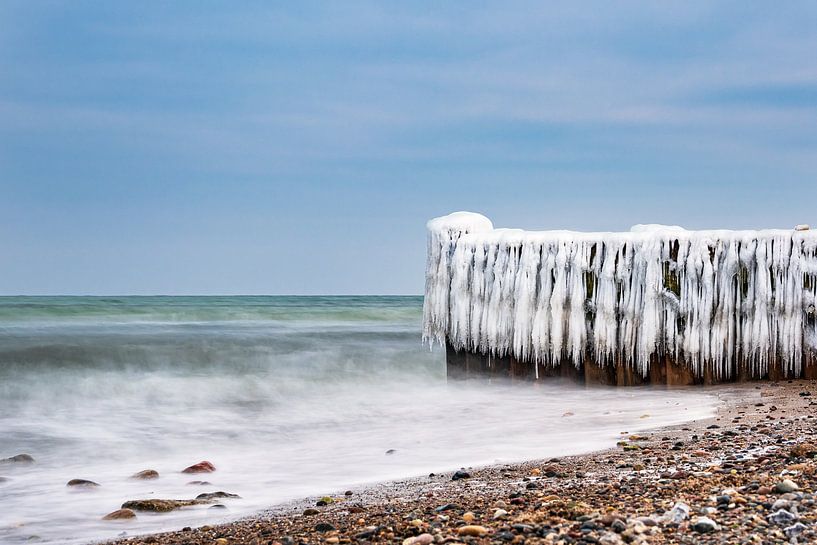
[[226, 147]]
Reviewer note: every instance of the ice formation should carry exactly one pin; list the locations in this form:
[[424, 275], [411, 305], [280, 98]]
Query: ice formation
[[706, 298]]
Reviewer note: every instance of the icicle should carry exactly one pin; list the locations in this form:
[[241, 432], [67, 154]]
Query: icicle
[[709, 298]]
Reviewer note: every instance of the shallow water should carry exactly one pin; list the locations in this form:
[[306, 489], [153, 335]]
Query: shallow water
[[287, 396]]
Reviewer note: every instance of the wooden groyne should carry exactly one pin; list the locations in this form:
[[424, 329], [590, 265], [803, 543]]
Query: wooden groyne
[[656, 305]]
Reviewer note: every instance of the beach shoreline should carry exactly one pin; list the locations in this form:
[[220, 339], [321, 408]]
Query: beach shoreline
[[723, 469]]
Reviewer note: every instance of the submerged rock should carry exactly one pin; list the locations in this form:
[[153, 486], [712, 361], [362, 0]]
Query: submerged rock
[[160, 506], [120, 514], [201, 467], [200, 483], [214, 495], [18, 459], [85, 483], [146, 475], [218, 506], [4, 479]]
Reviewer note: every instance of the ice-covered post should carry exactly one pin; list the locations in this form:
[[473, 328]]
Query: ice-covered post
[[656, 304]]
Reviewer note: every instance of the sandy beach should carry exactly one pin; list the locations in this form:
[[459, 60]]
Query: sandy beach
[[744, 476]]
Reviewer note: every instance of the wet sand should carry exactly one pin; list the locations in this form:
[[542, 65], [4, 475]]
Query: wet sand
[[744, 476]]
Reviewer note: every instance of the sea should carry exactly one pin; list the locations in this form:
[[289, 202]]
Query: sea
[[288, 397]]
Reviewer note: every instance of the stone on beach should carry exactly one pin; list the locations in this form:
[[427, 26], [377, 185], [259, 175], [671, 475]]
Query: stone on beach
[[85, 483], [120, 514], [160, 506], [201, 467], [704, 525], [422, 539], [215, 495], [18, 459], [146, 475], [460, 474], [472, 530], [787, 485]]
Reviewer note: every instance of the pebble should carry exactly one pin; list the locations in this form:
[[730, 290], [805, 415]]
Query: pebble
[[678, 513], [422, 539], [499, 513], [472, 530], [324, 527], [782, 517], [311, 511], [795, 530], [786, 485], [460, 474], [705, 525]]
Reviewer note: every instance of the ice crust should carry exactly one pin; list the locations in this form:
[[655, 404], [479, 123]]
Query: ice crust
[[708, 298]]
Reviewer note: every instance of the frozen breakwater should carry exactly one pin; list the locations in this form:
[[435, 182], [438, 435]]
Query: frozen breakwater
[[657, 304]]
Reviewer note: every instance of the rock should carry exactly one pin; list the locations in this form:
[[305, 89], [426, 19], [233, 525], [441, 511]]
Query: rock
[[704, 525], [18, 459], [159, 506], [499, 513], [446, 507], [610, 538], [82, 483], [804, 450], [120, 514], [218, 506], [348, 493], [678, 513], [785, 486], [146, 475], [201, 467], [472, 530], [422, 539], [214, 495], [324, 527], [782, 517], [200, 483], [390, 452], [460, 474], [367, 534], [309, 512], [795, 530]]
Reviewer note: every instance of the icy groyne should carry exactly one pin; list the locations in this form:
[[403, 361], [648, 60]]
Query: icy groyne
[[624, 307]]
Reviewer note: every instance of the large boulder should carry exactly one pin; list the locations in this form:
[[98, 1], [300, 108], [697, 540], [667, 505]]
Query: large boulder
[[160, 506]]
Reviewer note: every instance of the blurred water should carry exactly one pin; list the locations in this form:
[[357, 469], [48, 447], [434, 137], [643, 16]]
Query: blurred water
[[287, 396]]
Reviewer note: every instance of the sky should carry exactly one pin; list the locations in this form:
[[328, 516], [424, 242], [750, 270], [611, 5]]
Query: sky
[[299, 147]]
